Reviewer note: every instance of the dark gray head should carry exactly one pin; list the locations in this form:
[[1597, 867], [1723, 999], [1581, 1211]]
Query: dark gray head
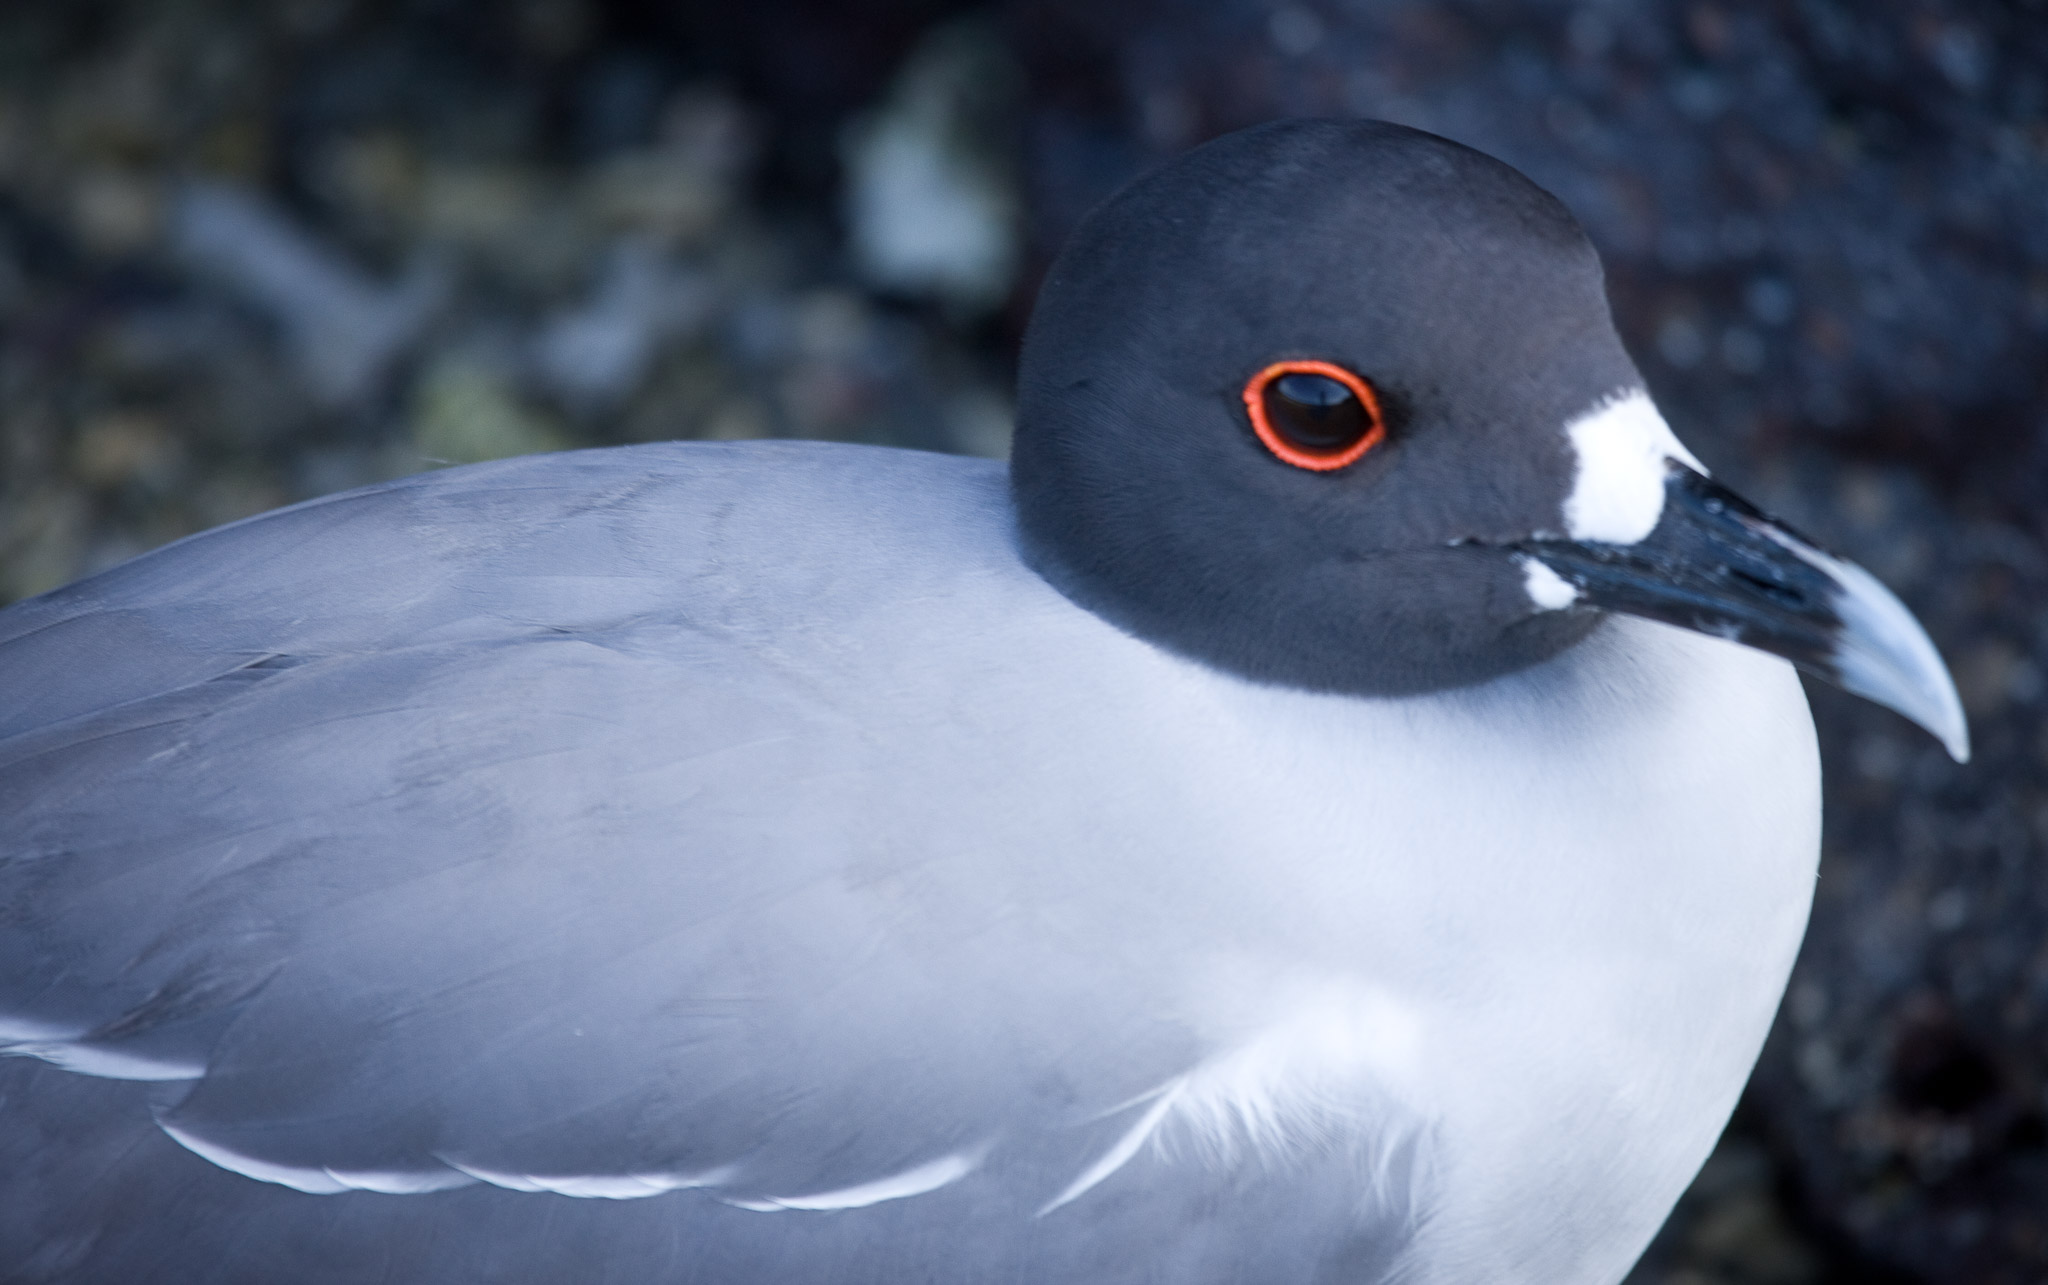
[[1471, 480], [1467, 298]]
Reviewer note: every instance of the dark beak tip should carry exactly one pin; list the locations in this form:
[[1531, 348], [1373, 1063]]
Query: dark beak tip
[[1718, 565]]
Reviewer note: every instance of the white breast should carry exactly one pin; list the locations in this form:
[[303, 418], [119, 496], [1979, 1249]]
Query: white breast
[[1544, 923]]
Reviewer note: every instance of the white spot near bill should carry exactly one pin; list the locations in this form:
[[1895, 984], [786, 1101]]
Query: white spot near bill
[[1547, 589], [1622, 445]]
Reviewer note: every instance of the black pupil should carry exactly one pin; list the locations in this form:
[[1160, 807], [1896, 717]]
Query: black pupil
[[1315, 413]]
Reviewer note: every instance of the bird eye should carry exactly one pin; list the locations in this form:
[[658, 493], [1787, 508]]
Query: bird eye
[[1313, 414]]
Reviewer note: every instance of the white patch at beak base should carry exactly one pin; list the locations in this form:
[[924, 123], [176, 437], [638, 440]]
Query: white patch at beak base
[[1618, 493], [1547, 589]]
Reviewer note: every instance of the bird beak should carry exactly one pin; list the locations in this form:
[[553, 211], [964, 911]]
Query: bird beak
[[1717, 565]]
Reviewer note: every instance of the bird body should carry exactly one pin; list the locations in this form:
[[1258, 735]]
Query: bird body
[[1275, 831], [1292, 865]]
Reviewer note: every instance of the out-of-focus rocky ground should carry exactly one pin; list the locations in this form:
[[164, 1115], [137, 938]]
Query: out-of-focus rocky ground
[[251, 253]]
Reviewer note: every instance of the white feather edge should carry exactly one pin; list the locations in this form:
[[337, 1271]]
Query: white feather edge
[[624, 1186], [317, 1181], [1295, 1080], [105, 1062], [1125, 1147], [322, 1181], [1341, 1048], [64, 1045], [916, 1181]]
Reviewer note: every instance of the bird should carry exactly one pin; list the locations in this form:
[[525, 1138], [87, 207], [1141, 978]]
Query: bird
[[1337, 805]]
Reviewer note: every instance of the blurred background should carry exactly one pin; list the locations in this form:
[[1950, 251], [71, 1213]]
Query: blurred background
[[255, 252]]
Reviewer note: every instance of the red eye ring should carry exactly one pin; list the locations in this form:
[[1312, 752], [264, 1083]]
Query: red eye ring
[[1255, 404]]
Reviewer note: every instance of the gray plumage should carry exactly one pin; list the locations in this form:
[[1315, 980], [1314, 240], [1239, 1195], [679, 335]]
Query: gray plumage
[[604, 870], [801, 863]]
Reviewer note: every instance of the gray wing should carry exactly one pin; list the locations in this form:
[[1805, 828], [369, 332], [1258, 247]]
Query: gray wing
[[509, 831]]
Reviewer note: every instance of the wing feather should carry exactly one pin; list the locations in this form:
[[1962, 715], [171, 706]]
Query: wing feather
[[426, 903], [521, 830]]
